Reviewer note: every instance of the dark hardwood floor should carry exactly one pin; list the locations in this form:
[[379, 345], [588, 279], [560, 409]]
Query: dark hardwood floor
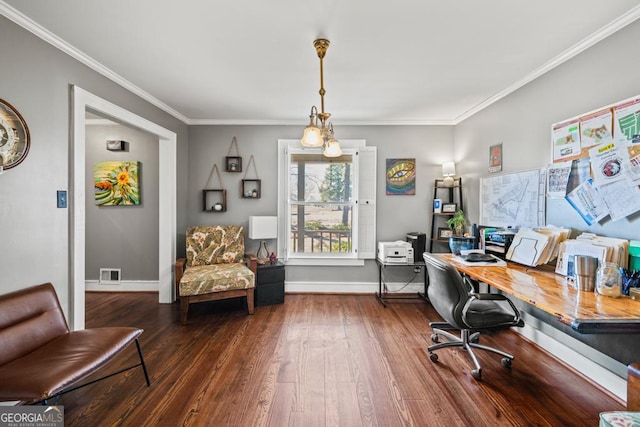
[[320, 360]]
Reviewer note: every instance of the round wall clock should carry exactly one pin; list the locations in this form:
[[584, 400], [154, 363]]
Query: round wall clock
[[14, 136]]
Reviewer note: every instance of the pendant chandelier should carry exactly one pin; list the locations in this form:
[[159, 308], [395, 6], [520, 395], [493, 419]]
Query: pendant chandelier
[[319, 132]]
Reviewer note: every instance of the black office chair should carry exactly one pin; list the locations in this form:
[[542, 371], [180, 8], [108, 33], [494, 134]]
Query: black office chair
[[462, 308]]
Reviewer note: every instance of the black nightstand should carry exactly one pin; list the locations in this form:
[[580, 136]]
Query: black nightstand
[[269, 284]]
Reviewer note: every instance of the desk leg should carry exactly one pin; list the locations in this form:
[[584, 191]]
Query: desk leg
[[426, 285], [379, 294]]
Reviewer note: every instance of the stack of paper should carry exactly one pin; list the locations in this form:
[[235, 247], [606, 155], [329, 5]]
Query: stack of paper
[[606, 249], [536, 246]]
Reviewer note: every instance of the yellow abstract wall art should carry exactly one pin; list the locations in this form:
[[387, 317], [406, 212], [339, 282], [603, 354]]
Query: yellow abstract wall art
[[116, 183]]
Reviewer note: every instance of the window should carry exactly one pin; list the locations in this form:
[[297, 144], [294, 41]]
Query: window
[[322, 217]]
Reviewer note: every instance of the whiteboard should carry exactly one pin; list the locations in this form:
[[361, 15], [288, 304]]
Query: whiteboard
[[514, 199]]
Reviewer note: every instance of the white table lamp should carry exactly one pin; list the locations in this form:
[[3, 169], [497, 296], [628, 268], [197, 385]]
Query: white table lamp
[[448, 171], [262, 228]]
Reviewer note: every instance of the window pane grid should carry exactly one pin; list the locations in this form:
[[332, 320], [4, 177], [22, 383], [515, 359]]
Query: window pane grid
[[321, 205]]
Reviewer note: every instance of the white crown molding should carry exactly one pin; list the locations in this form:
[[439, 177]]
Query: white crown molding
[[614, 26], [304, 122], [28, 24], [33, 27]]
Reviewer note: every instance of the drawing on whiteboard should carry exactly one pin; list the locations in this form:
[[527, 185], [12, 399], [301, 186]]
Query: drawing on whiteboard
[[514, 199]]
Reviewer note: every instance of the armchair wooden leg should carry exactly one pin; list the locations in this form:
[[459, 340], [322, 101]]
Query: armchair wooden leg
[[250, 300], [184, 309]]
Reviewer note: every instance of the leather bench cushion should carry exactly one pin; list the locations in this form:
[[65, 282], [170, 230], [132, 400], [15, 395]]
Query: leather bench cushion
[[206, 279], [62, 362]]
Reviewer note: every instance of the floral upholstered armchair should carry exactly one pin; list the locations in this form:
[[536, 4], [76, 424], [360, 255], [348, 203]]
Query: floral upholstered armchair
[[215, 267]]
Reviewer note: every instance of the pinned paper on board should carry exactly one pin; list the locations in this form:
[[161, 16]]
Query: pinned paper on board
[[604, 146], [558, 178], [596, 128], [587, 202], [608, 163], [566, 139]]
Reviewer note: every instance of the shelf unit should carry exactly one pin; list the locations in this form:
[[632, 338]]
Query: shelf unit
[[212, 198], [448, 194]]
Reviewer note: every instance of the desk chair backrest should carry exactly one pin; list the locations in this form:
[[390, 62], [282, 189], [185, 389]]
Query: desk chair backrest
[[447, 291]]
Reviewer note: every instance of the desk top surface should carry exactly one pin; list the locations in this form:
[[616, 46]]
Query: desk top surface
[[586, 312]]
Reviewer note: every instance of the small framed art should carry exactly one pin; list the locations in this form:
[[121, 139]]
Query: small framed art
[[437, 205], [444, 233], [449, 207]]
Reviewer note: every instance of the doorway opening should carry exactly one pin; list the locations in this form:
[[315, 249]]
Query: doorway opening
[[84, 101]]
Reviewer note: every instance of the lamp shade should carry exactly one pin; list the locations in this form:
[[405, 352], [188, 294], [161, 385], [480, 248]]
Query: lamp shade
[[312, 136], [332, 149], [263, 227], [448, 169]]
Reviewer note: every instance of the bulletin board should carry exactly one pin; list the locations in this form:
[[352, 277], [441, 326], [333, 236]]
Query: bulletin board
[[596, 162]]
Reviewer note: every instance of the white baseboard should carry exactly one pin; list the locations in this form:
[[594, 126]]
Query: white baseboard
[[349, 288], [123, 286], [579, 356]]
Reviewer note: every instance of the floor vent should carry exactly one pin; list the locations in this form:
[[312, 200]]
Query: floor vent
[[110, 276]]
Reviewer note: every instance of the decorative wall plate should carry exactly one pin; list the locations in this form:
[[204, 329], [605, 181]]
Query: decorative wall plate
[[14, 136]]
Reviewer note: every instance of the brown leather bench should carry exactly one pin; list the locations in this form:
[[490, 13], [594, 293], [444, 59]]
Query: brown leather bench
[[40, 358]]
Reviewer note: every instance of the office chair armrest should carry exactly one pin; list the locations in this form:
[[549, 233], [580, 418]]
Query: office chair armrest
[[488, 297], [495, 297]]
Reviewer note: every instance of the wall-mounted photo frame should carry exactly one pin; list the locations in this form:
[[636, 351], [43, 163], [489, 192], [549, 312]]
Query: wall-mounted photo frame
[[449, 207], [495, 158], [14, 137], [444, 233]]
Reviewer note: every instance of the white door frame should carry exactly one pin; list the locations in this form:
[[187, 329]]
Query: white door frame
[[83, 101]]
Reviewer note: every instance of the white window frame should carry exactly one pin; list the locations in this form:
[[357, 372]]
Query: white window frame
[[363, 215]]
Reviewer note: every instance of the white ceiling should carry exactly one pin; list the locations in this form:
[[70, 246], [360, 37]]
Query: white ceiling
[[253, 61]]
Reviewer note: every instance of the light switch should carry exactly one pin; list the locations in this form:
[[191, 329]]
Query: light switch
[[62, 199]]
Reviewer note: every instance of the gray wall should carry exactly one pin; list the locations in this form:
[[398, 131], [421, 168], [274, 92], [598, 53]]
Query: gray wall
[[35, 239], [600, 76], [397, 215], [124, 237]]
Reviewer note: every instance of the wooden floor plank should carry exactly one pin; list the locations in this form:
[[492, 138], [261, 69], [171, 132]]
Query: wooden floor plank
[[320, 360]]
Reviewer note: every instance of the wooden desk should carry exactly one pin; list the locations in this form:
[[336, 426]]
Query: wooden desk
[[585, 312]]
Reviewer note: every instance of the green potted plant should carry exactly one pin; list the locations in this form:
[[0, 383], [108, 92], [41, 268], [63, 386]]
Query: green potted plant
[[457, 223], [460, 240]]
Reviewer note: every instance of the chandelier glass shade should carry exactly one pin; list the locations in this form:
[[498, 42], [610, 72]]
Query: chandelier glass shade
[[319, 132]]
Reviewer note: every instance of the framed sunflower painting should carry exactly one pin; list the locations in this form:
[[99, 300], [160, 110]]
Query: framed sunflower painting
[[116, 183]]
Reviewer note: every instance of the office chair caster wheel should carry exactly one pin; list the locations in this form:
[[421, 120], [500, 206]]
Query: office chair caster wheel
[[435, 338], [506, 362], [477, 374], [433, 357], [475, 338]]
